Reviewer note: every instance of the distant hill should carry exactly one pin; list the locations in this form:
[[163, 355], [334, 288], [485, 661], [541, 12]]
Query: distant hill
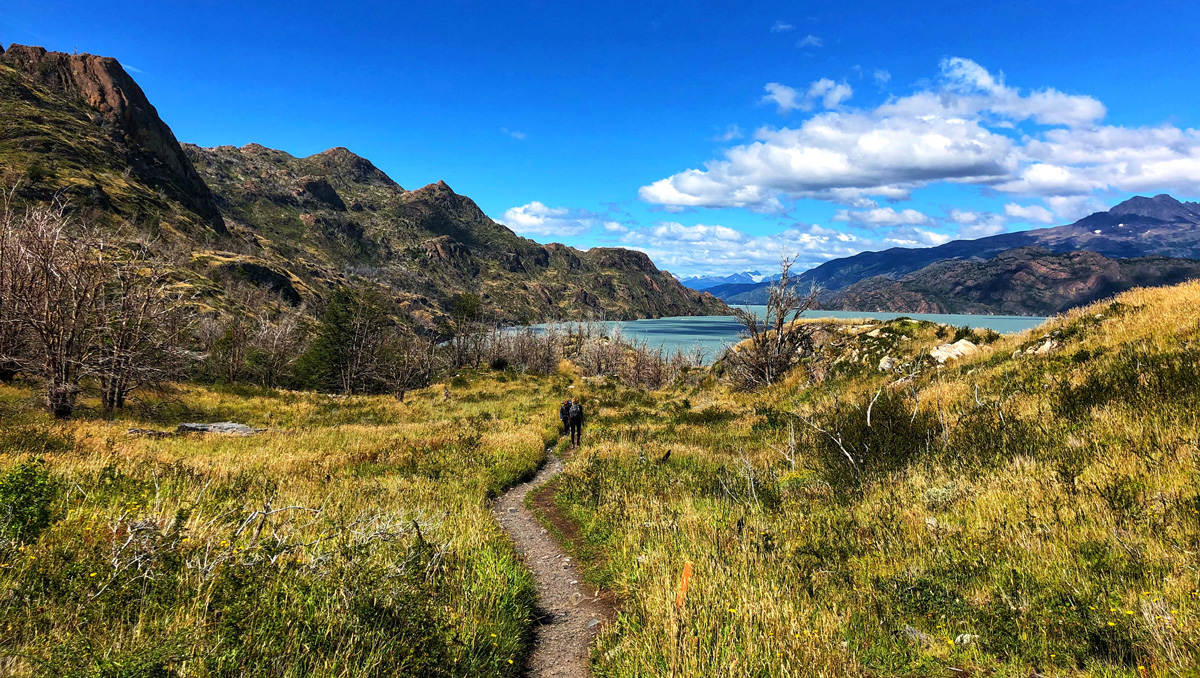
[[1160, 226], [1024, 281], [79, 126]]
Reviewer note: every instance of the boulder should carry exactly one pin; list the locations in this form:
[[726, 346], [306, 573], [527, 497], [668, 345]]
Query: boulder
[[887, 364], [959, 349]]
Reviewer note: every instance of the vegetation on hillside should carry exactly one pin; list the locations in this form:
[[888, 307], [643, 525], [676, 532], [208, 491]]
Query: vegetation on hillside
[[350, 538], [1011, 514]]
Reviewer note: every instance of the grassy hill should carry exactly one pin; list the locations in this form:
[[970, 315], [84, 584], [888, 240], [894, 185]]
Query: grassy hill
[[1030, 509], [77, 127]]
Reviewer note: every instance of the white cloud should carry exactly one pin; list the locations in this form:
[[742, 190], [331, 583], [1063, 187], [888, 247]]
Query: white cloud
[[883, 216], [810, 41], [829, 93], [916, 237], [731, 132], [1029, 213], [970, 127], [516, 134], [781, 27], [882, 77], [835, 155], [537, 219]]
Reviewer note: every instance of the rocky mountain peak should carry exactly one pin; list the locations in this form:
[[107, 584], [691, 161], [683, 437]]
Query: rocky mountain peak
[[102, 84], [1162, 207]]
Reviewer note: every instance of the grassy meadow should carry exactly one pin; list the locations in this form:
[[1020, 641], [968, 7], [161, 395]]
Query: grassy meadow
[[1015, 513], [1004, 515], [352, 538]]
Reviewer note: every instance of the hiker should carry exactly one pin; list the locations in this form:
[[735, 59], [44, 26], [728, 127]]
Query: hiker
[[575, 421], [563, 411]]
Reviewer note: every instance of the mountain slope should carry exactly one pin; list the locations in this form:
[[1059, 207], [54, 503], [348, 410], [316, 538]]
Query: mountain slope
[[1158, 226], [78, 126], [1024, 281]]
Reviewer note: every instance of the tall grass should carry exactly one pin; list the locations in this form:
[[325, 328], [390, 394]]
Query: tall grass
[[1009, 515], [351, 538]]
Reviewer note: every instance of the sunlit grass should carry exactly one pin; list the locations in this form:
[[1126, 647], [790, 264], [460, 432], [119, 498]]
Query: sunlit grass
[[352, 537], [1005, 534]]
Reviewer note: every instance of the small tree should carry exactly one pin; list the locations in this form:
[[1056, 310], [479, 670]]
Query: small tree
[[345, 354], [141, 333], [407, 361], [276, 345], [468, 334], [56, 289], [771, 346], [14, 337]]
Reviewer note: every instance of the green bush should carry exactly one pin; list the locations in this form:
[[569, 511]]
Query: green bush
[[27, 495]]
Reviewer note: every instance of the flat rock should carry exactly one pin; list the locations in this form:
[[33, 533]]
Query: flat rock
[[227, 427]]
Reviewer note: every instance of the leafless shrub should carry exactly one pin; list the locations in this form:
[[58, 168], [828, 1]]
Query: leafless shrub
[[776, 343]]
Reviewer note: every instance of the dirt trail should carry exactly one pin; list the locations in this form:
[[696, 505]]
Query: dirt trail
[[572, 613]]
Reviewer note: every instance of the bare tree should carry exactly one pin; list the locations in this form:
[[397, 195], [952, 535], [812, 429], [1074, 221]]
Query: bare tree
[[142, 327], [14, 336], [276, 345], [56, 289], [772, 345], [407, 361]]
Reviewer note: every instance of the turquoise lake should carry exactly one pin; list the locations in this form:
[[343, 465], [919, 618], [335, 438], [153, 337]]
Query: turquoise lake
[[711, 334]]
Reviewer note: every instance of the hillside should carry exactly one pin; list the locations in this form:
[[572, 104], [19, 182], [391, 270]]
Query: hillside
[[80, 127], [1031, 509], [1024, 281], [1160, 226]]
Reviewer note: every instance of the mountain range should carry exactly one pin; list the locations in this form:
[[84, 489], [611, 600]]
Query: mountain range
[[77, 127], [1137, 242], [704, 282]]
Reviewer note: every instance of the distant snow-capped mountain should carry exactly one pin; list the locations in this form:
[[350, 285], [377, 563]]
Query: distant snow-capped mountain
[[703, 282]]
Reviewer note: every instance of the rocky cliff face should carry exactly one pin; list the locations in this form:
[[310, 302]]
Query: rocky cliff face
[[334, 211], [101, 84], [1024, 281], [299, 228]]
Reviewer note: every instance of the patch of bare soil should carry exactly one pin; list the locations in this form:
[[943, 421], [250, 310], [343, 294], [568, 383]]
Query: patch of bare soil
[[571, 612]]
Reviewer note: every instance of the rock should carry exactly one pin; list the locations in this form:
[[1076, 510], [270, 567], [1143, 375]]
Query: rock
[[966, 639], [959, 349], [917, 636], [1046, 347], [932, 523], [227, 427], [149, 433], [593, 623], [876, 333], [887, 364]]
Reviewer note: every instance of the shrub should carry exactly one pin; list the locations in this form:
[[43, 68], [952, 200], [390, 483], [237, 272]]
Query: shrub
[[27, 495]]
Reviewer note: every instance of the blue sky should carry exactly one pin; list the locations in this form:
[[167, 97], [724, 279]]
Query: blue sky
[[714, 136]]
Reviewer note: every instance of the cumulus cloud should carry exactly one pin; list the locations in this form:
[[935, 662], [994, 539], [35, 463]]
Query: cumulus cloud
[[825, 91], [810, 41], [883, 216], [781, 27], [967, 127], [539, 220], [1030, 213], [882, 77], [704, 249]]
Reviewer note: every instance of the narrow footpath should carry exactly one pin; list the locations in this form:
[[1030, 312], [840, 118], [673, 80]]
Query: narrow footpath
[[572, 613]]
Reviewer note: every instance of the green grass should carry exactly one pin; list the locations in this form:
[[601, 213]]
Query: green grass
[[1006, 515], [353, 538]]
